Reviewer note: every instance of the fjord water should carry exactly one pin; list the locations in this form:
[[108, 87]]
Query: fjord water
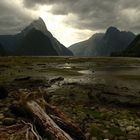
[[119, 70]]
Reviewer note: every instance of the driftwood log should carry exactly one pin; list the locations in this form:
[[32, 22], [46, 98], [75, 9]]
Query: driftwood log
[[52, 122], [64, 122], [49, 120], [45, 122]]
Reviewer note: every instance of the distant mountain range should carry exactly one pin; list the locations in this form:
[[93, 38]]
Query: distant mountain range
[[103, 44], [34, 40]]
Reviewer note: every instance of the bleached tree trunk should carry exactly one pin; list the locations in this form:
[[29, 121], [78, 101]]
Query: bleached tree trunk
[[48, 125]]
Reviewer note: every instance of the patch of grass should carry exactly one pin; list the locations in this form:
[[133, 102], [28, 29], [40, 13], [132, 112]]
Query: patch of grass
[[96, 131], [94, 113], [99, 60], [116, 131]]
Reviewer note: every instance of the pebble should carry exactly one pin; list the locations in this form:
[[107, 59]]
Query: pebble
[[1, 116], [137, 128], [137, 121], [123, 129], [105, 131], [129, 128], [5, 109], [87, 135], [93, 108], [121, 124], [134, 132]]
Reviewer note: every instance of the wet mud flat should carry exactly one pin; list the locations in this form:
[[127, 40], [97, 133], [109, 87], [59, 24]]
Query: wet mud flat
[[101, 95]]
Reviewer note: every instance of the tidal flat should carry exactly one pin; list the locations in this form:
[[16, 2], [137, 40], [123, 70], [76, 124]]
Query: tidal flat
[[101, 95]]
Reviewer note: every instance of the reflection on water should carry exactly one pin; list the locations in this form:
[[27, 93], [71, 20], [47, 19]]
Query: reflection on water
[[116, 71], [86, 71], [67, 67], [119, 76]]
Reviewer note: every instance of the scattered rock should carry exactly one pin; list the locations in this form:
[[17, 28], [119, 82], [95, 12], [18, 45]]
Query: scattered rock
[[138, 121], [1, 116], [3, 92], [137, 128], [93, 108], [105, 131], [87, 135], [57, 79], [122, 129], [129, 128]]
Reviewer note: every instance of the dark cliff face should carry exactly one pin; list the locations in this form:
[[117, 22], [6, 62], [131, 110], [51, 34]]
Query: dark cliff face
[[103, 44], [134, 48], [10, 42], [35, 43], [38, 39], [2, 51], [111, 33], [40, 25]]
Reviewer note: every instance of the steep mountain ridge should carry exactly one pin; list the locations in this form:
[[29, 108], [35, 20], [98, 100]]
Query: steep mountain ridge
[[37, 24], [134, 48], [31, 46], [103, 44], [34, 37], [40, 26]]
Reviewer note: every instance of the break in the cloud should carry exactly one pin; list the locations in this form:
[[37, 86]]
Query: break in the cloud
[[95, 14], [71, 20]]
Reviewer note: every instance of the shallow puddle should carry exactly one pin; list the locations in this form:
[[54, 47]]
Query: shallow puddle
[[86, 72], [67, 67]]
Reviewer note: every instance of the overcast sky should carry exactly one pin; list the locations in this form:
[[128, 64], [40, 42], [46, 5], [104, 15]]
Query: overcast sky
[[70, 21]]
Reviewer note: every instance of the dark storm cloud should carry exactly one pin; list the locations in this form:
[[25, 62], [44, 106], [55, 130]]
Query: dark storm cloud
[[95, 14], [12, 18], [82, 14], [33, 3]]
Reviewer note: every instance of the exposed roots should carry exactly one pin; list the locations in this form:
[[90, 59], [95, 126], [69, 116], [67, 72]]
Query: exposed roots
[[24, 131], [33, 130]]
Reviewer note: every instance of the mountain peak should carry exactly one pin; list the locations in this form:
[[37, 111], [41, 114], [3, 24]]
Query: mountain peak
[[112, 33], [103, 44], [38, 24], [112, 30]]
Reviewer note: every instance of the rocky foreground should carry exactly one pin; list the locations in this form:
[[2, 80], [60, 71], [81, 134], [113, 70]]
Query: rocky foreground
[[100, 110]]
